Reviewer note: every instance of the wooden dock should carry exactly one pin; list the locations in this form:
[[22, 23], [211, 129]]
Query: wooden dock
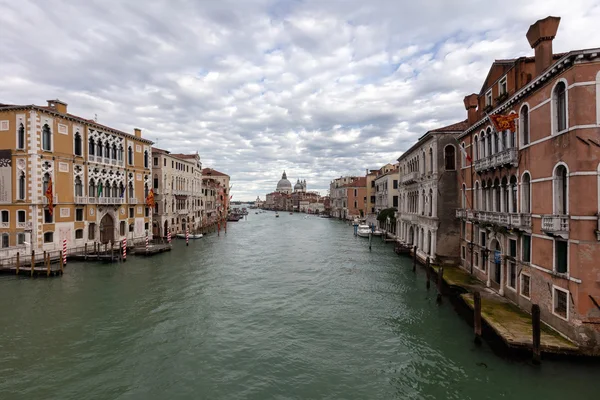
[[152, 249], [46, 264]]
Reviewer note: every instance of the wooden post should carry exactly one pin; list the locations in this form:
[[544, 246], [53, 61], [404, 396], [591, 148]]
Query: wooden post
[[94, 247], [415, 259], [536, 328], [32, 261], [111, 251], [477, 316], [427, 272], [370, 238], [48, 264], [17, 263], [105, 248], [62, 265], [440, 279], [85, 252]]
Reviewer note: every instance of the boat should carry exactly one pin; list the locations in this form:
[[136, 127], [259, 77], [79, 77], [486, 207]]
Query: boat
[[234, 217], [363, 230], [277, 215], [291, 213], [377, 232], [191, 235], [256, 212]]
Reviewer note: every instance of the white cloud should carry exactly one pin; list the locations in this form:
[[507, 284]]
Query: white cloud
[[319, 89]]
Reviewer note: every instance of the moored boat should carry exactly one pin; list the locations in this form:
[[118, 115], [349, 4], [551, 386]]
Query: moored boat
[[191, 235], [363, 230]]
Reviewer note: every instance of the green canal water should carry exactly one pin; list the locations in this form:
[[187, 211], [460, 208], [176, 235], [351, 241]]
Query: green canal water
[[278, 308]]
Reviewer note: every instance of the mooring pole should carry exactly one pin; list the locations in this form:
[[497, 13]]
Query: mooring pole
[[370, 238], [477, 316], [440, 279], [17, 263], [32, 261], [536, 328], [415, 259], [428, 273]]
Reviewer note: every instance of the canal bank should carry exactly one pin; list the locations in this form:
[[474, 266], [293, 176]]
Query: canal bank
[[282, 307]]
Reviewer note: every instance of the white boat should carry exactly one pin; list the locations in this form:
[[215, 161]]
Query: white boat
[[363, 230], [377, 232], [192, 235], [277, 215]]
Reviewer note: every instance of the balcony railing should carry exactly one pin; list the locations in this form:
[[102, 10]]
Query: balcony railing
[[110, 200], [504, 157], [133, 200], [24, 225], [54, 199], [105, 160], [411, 177], [461, 213], [81, 200], [555, 223], [509, 220]]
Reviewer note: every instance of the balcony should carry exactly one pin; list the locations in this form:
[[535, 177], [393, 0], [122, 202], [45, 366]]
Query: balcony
[[133, 200], [81, 200], [54, 199], [500, 159], [409, 217], [508, 220], [409, 178], [461, 213], [110, 200], [556, 225], [24, 225]]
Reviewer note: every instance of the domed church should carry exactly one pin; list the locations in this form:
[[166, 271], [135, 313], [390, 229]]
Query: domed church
[[284, 186], [300, 186]]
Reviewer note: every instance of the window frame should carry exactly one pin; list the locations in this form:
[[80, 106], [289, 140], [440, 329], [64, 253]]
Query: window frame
[[554, 302], [523, 274], [488, 98], [79, 230], [502, 89], [523, 248], [446, 157], [554, 107], [44, 237], [554, 257]]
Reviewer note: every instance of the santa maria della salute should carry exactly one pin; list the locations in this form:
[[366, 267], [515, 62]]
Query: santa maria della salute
[[296, 198]]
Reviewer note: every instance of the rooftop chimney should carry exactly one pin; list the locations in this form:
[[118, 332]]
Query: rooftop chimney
[[137, 132], [58, 106], [471, 107], [540, 36]]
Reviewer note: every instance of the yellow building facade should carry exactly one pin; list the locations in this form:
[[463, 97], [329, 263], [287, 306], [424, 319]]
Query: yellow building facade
[[100, 178]]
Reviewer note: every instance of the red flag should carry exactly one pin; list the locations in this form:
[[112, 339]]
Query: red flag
[[49, 196], [467, 156], [150, 199], [504, 122]]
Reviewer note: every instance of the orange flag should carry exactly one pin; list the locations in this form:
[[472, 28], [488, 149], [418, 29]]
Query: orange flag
[[150, 199], [49, 196], [504, 122]]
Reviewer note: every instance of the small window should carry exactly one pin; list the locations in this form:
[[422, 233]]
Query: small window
[[46, 138], [524, 125], [502, 88], [450, 158], [122, 227], [79, 234], [21, 216], [145, 159], [526, 248], [92, 231], [463, 254], [21, 137], [78, 144], [560, 303], [488, 98], [131, 212], [20, 238], [559, 99], [355, 192], [5, 216], [48, 218], [525, 286], [146, 226], [130, 155], [561, 256], [79, 214], [165, 162], [5, 240], [147, 212], [476, 259], [156, 161], [49, 237], [513, 248], [395, 184]]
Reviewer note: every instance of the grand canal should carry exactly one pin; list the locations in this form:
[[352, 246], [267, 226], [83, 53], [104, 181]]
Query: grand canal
[[277, 308]]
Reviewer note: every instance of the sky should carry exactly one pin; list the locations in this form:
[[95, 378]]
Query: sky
[[318, 88]]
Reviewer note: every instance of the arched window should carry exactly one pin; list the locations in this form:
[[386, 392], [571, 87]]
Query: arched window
[[430, 202], [99, 148], [505, 196], [496, 142], [21, 183], [113, 154], [21, 137], [120, 153], [91, 147], [92, 190], [45, 183], [513, 195], [559, 104], [489, 142], [46, 138], [107, 150], [431, 159], [129, 155], [115, 190], [78, 144], [561, 190], [463, 197], [496, 195], [78, 187], [476, 204], [131, 191], [475, 148], [145, 159], [450, 158], [524, 124], [106, 189], [526, 194], [121, 190]]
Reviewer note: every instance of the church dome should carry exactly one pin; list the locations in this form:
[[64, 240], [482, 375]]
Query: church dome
[[298, 186], [284, 186]]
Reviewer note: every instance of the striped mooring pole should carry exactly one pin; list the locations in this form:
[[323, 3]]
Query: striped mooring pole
[[187, 236], [124, 249], [64, 252], [169, 237], [146, 242]]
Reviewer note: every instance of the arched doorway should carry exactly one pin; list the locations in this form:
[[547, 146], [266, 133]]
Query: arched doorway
[[495, 262], [411, 235], [183, 224], [107, 229], [155, 229], [166, 227]]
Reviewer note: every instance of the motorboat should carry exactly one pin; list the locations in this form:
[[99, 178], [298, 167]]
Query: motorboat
[[234, 217], [277, 215], [377, 232], [191, 235], [363, 230], [291, 213]]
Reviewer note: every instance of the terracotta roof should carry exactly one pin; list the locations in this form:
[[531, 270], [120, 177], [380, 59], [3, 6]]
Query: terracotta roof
[[156, 149], [457, 127], [359, 182], [213, 172], [181, 155]]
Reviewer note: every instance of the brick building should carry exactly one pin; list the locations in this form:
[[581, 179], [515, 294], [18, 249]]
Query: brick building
[[530, 198]]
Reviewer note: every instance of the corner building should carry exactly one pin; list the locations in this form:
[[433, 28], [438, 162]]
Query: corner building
[[100, 178], [530, 200]]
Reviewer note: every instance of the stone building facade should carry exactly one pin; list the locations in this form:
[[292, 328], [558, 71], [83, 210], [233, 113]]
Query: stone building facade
[[338, 196], [356, 195], [177, 183], [100, 178], [428, 194], [530, 200]]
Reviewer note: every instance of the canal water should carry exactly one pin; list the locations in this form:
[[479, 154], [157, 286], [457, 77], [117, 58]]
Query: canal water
[[277, 308]]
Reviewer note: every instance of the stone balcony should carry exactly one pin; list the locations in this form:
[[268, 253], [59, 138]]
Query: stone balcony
[[409, 178], [556, 225], [508, 220], [500, 159], [105, 160], [110, 200], [133, 200], [25, 225], [409, 217], [81, 200], [54, 199]]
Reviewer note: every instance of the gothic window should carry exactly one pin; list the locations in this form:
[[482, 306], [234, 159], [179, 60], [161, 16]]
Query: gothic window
[[46, 138], [561, 190], [131, 191], [524, 124], [450, 157], [559, 103], [91, 147], [78, 187], [21, 186], [92, 192], [129, 155], [78, 144], [45, 183], [146, 159], [21, 137], [99, 148]]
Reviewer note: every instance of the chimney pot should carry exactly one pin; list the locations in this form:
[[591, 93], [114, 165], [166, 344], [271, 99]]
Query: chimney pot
[[470, 102], [58, 106], [540, 36], [137, 132]]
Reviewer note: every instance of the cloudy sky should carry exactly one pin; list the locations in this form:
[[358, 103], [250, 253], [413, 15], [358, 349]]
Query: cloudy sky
[[320, 88]]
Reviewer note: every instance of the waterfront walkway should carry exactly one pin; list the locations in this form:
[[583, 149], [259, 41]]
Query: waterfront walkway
[[509, 322]]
